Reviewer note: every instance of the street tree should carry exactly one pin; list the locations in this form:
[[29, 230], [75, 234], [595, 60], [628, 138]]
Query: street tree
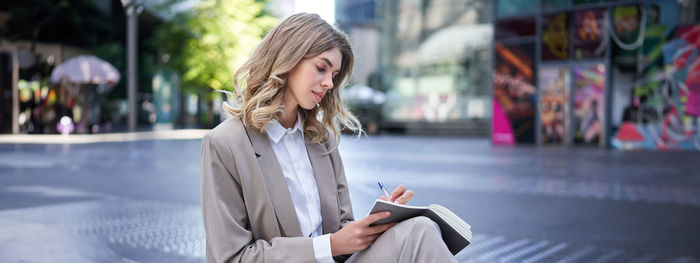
[[206, 43]]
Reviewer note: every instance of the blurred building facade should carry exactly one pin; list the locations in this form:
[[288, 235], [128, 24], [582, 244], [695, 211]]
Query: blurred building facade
[[427, 57], [616, 73], [36, 37], [359, 19], [597, 73], [33, 104]]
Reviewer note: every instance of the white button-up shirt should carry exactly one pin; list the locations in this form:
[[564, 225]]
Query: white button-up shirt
[[290, 149]]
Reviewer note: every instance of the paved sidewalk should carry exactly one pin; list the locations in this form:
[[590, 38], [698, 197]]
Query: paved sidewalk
[[137, 200], [184, 134]]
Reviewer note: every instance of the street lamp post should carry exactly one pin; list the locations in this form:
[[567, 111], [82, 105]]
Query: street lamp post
[[15, 92], [133, 8]]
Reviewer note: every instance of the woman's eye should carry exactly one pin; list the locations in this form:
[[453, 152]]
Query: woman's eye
[[320, 69]]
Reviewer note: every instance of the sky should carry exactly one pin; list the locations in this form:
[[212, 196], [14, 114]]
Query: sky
[[324, 8]]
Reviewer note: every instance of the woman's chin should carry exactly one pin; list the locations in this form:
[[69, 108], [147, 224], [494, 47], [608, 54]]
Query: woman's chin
[[308, 106]]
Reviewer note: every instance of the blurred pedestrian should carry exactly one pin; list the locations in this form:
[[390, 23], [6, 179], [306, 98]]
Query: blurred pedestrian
[[273, 185]]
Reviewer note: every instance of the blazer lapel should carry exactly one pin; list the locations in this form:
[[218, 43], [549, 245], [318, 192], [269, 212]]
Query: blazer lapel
[[327, 189], [275, 183]]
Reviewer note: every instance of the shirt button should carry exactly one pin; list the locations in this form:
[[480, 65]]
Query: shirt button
[[308, 196]]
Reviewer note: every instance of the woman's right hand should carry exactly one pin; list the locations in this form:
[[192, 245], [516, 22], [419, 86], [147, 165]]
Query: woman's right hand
[[358, 235]]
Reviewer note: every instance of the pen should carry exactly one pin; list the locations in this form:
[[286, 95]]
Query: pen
[[381, 186]]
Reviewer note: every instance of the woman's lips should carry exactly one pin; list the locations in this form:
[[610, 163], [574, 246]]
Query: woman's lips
[[318, 95]]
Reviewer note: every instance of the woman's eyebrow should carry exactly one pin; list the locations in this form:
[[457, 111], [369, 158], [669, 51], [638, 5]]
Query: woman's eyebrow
[[329, 63]]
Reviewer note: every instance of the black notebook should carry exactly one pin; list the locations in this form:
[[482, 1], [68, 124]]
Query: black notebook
[[456, 233]]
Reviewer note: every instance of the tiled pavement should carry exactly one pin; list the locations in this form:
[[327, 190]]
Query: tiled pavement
[[175, 229], [52, 212]]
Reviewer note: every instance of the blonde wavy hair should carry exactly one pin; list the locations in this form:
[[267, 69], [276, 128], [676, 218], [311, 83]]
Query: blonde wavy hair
[[261, 82]]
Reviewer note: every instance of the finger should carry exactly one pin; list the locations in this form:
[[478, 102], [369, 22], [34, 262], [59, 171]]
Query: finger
[[370, 238], [367, 220], [384, 197], [373, 237], [378, 229], [397, 192], [404, 197]]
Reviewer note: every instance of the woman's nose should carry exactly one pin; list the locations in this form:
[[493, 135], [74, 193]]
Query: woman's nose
[[327, 82]]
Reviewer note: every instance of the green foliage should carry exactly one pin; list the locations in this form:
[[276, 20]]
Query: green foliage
[[207, 43]]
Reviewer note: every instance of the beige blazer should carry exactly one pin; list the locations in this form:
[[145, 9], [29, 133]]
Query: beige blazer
[[248, 211]]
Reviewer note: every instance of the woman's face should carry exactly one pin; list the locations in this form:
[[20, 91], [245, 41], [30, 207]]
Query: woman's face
[[312, 78]]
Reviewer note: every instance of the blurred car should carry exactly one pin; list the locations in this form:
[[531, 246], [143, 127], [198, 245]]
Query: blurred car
[[366, 103]]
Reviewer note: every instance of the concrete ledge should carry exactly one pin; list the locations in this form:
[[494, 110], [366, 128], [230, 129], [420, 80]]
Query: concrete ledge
[[188, 134], [467, 128]]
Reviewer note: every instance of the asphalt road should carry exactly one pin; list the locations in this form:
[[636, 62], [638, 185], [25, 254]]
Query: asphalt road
[[139, 201]]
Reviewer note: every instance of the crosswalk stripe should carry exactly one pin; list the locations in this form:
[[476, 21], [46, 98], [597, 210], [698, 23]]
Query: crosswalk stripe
[[472, 249], [504, 249], [545, 254], [524, 251]]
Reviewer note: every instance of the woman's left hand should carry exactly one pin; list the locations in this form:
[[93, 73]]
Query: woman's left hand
[[400, 195]]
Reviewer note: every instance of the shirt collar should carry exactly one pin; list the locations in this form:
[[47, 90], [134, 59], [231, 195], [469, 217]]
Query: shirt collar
[[276, 131]]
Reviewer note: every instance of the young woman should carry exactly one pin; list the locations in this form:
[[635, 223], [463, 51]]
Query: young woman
[[273, 185]]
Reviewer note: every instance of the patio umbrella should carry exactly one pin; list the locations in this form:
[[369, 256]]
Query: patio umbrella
[[83, 72], [86, 69]]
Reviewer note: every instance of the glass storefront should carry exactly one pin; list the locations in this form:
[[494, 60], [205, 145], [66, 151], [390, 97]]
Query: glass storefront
[[434, 60], [602, 73]]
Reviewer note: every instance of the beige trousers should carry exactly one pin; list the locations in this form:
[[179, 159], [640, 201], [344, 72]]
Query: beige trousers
[[414, 240]]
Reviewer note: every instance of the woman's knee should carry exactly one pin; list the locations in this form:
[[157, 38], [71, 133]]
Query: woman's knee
[[423, 223]]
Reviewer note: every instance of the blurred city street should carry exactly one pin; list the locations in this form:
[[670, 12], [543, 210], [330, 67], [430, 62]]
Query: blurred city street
[[138, 201], [560, 130]]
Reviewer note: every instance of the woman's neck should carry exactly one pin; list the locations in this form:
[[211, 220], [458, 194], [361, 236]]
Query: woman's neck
[[288, 117]]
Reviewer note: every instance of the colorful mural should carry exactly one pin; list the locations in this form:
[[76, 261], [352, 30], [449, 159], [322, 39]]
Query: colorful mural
[[639, 48], [513, 94], [589, 103], [555, 37], [589, 34], [554, 104], [665, 109], [627, 36]]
